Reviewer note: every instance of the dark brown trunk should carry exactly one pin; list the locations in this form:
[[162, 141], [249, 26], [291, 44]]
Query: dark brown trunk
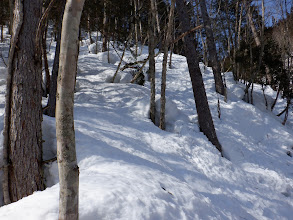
[[51, 106], [23, 113], [212, 49], [152, 23], [2, 35], [105, 23], [45, 60], [11, 8], [203, 111], [275, 101]]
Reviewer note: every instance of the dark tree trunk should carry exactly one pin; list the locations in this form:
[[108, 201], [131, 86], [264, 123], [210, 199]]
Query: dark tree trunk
[[23, 111], [105, 27], [151, 34], [11, 8], [2, 36], [213, 57], [51, 106], [45, 60], [164, 68], [203, 111]]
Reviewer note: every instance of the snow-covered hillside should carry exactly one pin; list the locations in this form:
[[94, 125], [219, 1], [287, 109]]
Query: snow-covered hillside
[[130, 169]]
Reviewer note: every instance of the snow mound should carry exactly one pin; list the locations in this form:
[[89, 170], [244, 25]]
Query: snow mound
[[95, 48], [113, 57]]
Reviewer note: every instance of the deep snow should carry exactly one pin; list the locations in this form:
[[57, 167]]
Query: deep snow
[[130, 169]]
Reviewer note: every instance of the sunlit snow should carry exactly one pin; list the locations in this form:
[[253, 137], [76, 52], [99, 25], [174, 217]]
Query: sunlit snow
[[130, 169]]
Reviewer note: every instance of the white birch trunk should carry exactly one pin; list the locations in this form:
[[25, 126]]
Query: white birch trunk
[[66, 153]]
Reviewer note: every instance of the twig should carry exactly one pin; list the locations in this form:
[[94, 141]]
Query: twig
[[141, 68], [186, 33], [41, 23], [2, 58], [121, 59], [50, 160]]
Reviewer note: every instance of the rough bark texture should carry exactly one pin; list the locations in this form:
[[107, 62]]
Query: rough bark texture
[[51, 106], [151, 20], [212, 49], [203, 111], [164, 68], [22, 145], [66, 153]]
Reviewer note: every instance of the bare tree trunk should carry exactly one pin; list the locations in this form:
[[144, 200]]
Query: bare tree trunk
[[11, 8], [66, 153], [136, 26], [51, 105], [139, 5], [157, 16], [22, 146], [45, 59], [259, 42], [251, 24], [235, 74], [105, 24], [201, 38], [89, 30], [286, 111], [276, 99], [212, 49], [2, 35], [237, 45], [152, 67], [172, 45], [164, 68], [204, 115]]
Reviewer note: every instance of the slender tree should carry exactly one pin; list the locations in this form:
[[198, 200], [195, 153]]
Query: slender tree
[[51, 105], [164, 68], [66, 153], [203, 111], [23, 173], [152, 67], [213, 57], [105, 27]]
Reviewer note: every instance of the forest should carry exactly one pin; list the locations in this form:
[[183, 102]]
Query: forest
[[146, 109]]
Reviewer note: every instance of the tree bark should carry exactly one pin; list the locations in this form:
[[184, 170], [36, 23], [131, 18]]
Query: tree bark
[[251, 24], [203, 111], [66, 153], [11, 8], [105, 26], [164, 68], [2, 35], [135, 3], [152, 67], [23, 173], [157, 16], [51, 105], [212, 49], [45, 59]]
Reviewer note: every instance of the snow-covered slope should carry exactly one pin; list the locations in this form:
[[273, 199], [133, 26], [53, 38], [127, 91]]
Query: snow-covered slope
[[130, 169]]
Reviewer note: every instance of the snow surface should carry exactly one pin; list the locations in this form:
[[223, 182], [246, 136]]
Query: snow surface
[[130, 169]]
